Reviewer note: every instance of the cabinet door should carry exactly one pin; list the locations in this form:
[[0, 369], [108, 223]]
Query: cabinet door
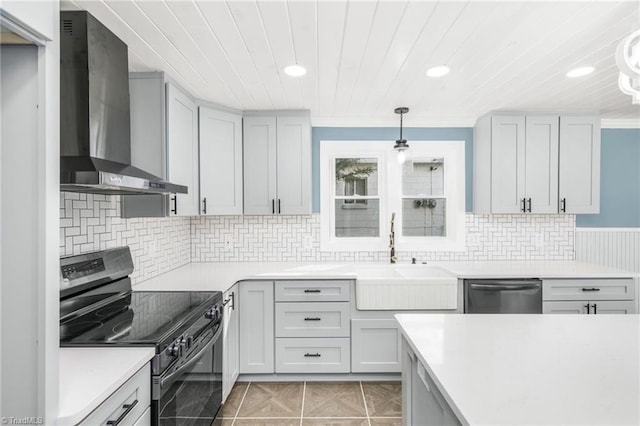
[[579, 164], [148, 142], [620, 307], [375, 346], [294, 165], [507, 163], [256, 327], [541, 164], [259, 165], [182, 150], [231, 342], [220, 162], [565, 307]]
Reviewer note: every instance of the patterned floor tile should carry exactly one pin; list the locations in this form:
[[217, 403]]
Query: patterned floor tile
[[328, 421], [231, 405], [384, 399], [333, 399], [267, 422], [272, 400], [386, 421]]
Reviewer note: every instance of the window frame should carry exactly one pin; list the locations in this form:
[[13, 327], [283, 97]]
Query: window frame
[[390, 194]]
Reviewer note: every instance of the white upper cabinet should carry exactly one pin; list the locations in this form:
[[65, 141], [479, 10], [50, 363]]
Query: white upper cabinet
[[579, 164], [164, 142], [531, 164], [277, 164], [182, 150], [541, 164], [220, 162]]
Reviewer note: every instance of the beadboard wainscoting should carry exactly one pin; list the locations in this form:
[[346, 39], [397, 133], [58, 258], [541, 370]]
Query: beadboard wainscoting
[[615, 247], [296, 238], [90, 222]]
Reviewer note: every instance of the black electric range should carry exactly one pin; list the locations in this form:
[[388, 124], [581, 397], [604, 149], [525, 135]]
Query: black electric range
[[99, 308]]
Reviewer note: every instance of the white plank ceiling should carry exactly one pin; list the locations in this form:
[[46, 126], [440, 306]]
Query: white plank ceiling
[[364, 58]]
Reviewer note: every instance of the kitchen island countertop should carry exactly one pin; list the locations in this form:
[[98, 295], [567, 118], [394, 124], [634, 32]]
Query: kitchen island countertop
[[532, 369]]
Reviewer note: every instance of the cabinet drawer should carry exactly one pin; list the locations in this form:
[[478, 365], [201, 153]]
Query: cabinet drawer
[[589, 289], [134, 395], [312, 319], [312, 291], [312, 355]]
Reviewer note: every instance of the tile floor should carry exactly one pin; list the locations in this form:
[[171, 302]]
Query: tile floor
[[314, 403]]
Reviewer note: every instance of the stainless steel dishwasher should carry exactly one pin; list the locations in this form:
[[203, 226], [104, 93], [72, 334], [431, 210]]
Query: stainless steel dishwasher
[[503, 296]]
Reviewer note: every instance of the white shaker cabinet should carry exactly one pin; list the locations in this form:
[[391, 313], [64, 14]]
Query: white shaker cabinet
[[256, 327], [579, 164], [536, 163], [277, 163], [163, 142], [182, 150], [516, 164], [231, 341], [220, 162], [375, 346]]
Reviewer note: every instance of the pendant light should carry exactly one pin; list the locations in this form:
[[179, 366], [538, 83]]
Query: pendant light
[[401, 144]]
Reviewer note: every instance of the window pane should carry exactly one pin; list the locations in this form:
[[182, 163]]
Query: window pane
[[356, 176], [423, 177], [357, 220], [423, 217]]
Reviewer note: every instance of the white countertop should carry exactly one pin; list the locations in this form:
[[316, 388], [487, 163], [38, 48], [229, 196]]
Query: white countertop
[[88, 376], [532, 369], [219, 276]]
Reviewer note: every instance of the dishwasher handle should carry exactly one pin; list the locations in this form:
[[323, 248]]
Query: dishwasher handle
[[506, 287]]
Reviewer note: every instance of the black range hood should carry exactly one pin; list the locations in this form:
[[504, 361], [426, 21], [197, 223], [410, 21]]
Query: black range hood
[[95, 128]]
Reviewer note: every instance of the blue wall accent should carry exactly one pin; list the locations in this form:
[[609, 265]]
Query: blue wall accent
[[619, 181], [391, 134]]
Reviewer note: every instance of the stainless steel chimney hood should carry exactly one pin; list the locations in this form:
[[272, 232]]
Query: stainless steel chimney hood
[[95, 131]]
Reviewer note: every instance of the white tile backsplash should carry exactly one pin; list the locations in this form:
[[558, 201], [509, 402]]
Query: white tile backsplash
[[92, 222], [296, 238]]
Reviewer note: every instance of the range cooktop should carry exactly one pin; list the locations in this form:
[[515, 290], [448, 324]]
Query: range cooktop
[[135, 318]]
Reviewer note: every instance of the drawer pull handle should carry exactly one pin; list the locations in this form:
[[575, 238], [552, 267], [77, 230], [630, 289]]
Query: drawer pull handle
[[591, 289], [312, 319], [127, 410], [312, 290], [316, 355]]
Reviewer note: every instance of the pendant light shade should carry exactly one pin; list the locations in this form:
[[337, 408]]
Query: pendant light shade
[[401, 144]]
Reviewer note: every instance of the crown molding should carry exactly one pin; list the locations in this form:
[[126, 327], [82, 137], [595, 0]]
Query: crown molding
[[372, 122], [620, 123]]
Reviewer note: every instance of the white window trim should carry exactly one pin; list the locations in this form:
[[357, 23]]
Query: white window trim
[[389, 192]]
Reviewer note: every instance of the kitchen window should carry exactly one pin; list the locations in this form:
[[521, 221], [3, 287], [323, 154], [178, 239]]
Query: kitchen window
[[362, 183]]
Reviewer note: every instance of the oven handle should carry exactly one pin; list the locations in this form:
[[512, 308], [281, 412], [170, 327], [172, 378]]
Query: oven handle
[[169, 379], [501, 287]]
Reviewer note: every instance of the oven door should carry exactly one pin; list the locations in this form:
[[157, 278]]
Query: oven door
[[190, 393]]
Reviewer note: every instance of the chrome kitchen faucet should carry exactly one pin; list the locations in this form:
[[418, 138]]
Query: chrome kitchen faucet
[[392, 240]]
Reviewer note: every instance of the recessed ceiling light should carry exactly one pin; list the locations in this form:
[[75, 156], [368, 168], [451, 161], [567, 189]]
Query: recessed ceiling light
[[579, 72], [295, 70], [438, 71]]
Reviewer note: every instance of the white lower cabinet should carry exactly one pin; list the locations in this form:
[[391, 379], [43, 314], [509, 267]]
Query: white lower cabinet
[[129, 405], [256, 327], [375, 346], [422, 402], [231, 342], [588, 296], [589, 307], [313, 355]]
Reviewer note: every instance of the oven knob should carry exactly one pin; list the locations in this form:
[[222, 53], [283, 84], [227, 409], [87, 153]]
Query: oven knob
[[174, 350], [213, 313], [185, 341]]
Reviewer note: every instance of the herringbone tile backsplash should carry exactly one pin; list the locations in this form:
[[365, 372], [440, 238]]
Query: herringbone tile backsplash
[[92, 222]]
